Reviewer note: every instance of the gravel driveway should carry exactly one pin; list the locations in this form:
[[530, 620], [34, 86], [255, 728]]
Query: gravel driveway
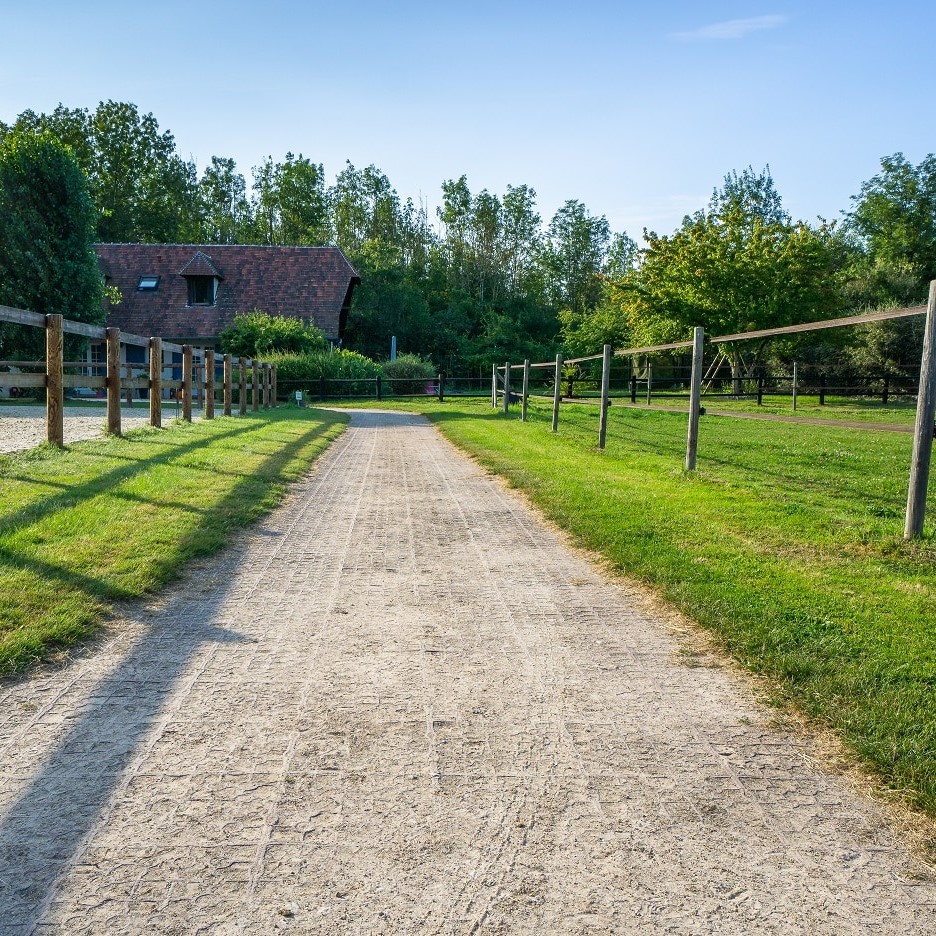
[[24, 427], [401, 705]]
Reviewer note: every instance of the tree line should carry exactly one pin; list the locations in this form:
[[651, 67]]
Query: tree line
[[487, 278]]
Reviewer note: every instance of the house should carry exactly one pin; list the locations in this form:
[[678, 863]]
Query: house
[[188, 293]]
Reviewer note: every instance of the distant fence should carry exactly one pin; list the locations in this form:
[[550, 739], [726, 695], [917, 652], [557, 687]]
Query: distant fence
[[504, 390], [323, 389], [197, 374]]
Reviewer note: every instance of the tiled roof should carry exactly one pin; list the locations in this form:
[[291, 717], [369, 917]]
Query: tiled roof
[[200, 265], [300, 282]]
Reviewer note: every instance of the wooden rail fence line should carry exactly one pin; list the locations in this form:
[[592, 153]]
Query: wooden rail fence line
[[924, 430], [196, 368]]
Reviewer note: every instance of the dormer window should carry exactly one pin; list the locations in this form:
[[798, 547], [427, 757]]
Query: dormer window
[[202, 290], [147, 283], [202, 277]]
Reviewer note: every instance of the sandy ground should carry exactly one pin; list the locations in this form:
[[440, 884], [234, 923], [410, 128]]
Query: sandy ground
[[401, 705], [23, 427]]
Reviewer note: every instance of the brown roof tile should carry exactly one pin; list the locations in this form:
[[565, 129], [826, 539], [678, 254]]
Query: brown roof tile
[[311, 283]]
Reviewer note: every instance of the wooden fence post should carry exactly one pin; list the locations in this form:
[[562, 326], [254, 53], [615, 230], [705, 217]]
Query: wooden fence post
[[55, 392], [506, 387], [273, 377], [209, 383], [228, 376], [242, 387], [605, 387], [113, 381], [493, 386], [923, 430], [526, 390], [187, 382], [649, 381], [155, 387], [441, 389], [379, 383], [795, 385], [255, 387], [557, 393], [695, 398]]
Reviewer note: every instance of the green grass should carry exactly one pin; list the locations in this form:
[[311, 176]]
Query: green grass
[[115, 518], [786, 544]]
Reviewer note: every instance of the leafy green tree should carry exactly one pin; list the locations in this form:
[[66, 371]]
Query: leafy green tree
[[226, 217], [894, 220], [739, 264], [47, 217], [575, 256], [142, 189], [255, 333], [289, 202]]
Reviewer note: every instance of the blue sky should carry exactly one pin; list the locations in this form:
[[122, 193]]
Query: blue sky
[[636, 109]]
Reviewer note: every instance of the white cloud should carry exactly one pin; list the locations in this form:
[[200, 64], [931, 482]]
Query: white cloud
[[732, 29]]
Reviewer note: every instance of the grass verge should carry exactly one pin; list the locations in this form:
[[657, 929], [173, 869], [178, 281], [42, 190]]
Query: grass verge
[[786, 544], [116, 518]]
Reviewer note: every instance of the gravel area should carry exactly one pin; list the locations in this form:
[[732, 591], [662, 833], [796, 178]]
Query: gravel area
[[402, 705], [24, 427]]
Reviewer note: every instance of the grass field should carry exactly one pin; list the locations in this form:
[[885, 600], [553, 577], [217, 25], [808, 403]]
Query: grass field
[[786, 544], [116, 518]]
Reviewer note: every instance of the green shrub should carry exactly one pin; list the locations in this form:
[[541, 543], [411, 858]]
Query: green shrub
[[305, 371], [409, 373]]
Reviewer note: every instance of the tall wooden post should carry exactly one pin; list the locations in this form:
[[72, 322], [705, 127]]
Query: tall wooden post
[[187, 382], [795, 384], [557, 393], [506, 387], [275, 388], [649, 381], [155, 378], [923, 430], [267, 386], [228, 376], [605, 386], [526, 390], [55, 392], [695, 398], [255, 386], [242, 388], [493, 386], [209, 383], [113, 381]]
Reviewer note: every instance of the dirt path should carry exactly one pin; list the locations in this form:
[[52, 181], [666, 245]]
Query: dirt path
[[401, 706]]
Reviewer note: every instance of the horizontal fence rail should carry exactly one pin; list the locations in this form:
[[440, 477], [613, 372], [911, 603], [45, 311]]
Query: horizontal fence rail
[[193, 369]]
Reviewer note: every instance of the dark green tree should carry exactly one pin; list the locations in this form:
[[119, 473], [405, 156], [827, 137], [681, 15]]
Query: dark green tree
[[894, 221], [47, 218]]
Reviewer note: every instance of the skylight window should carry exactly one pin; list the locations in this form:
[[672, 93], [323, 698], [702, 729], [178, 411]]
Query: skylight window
[[148, 282]]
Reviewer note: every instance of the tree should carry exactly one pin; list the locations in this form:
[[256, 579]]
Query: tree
[[47, 259], [575, 255], [142, 189], [894, 221], [289, 202], [254, 333], [226, 215], [739, 264]]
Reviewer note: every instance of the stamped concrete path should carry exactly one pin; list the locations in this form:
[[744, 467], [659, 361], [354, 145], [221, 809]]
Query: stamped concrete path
[[401, 705]]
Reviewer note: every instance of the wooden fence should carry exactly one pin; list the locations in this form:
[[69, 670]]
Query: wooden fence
[[194, 373], [924, 429]]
